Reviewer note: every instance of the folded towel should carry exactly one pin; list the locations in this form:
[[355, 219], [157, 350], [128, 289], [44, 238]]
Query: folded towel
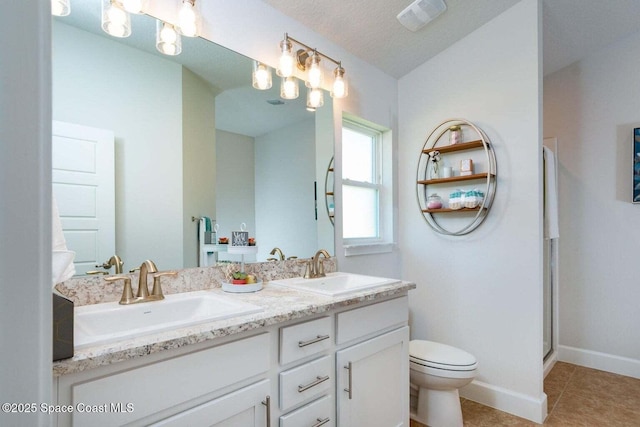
[[62, 259], [551, 230], [207, 223]]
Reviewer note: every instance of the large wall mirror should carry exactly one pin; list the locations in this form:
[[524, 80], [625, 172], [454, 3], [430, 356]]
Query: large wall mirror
[[192, 138]]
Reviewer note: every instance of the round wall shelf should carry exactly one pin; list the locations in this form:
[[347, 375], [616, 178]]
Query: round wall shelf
[[474, 152], [329, 198]]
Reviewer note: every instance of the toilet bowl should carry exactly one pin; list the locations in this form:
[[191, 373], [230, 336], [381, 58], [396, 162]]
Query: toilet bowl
[[438, 371]]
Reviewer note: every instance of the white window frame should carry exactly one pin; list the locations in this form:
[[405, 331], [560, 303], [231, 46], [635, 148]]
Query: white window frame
[[383, 242]]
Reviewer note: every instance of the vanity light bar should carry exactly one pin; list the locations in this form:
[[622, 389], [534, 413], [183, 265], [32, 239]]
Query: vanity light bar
[[308, 59]]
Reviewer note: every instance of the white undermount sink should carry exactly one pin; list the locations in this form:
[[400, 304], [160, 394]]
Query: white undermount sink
[[109, 322], [335, 284]]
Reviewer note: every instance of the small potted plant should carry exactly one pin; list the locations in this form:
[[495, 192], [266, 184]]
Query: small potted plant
[[239, 278]]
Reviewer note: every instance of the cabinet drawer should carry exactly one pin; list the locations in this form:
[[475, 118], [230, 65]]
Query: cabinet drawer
[[305, 382], [374, 318], [305, 339], [315, 414], [170, 382]]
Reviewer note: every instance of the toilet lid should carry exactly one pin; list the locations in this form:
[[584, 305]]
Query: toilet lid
[[438, 355]]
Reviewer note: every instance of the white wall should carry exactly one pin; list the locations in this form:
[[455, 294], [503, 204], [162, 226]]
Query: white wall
[[483, 292], [94, 85], [592, 107], [198, 159], [235, 195], [25, 216], [284, 183]]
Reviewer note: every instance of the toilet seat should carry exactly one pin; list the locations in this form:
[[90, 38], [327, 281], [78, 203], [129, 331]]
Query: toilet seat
[[428, 356]]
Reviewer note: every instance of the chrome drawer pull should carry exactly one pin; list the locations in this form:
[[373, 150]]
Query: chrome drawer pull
[[313, 341], [350, 389], [314, 383], [321, 422], [267, 403]]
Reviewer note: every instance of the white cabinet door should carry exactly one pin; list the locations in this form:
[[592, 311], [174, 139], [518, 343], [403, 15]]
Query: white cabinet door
[[373, 382], [246, 407]]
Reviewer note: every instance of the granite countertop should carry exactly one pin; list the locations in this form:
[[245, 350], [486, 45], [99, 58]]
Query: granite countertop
[[280, 305]]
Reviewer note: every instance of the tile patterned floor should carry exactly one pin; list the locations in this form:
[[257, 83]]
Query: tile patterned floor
[[576, 396]]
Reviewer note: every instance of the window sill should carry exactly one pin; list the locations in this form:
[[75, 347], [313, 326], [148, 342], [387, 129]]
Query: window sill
[[368, 249]]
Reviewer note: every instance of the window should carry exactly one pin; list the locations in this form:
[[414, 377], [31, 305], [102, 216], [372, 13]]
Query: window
[[366, 190]]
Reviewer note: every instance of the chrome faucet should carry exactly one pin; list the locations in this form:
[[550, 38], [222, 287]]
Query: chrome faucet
[[142, 295], [315, 268], [276, 251]]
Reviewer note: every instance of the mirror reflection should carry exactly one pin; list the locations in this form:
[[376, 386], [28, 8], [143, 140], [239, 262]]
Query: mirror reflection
[[190, 138]]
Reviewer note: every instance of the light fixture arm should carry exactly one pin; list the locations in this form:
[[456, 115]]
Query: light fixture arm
[[308, 48]]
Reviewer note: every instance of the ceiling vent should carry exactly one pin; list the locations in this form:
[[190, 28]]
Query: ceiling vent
[[420, 12]]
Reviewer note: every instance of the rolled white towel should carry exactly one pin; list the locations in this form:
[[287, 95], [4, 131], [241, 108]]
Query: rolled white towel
[[62, 267]]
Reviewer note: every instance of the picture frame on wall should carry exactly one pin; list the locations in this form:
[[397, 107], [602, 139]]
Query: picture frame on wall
[[636, 166]]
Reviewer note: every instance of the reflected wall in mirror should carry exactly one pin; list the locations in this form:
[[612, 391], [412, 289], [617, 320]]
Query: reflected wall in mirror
[[192, 139]]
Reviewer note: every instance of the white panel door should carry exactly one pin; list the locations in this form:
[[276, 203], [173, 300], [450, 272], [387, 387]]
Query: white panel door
[[83, 180]]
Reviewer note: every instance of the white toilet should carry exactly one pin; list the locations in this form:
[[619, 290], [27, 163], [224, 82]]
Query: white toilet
[[439, 370]]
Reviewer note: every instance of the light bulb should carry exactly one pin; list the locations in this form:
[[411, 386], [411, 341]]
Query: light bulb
[[286, 61], [315, 98], [115, 20], [289, 88], [134, 6], [168, 35], [261, 76], [340, 88], [60, 7], [116, 15], [167, 39], [314, 73], [188, 18]]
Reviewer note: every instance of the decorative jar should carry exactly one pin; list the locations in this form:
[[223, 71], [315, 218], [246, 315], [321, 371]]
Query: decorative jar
[[455, 135]]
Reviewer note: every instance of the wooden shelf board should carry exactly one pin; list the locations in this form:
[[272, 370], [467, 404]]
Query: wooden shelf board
[[456, 179], [446, 210], [330, 193], [456, 147]]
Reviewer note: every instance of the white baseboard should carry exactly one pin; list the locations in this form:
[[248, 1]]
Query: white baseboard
[[506, 400], [601, 361], [550, 363]]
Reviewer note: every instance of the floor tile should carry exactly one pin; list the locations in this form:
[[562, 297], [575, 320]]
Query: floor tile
[[477, 415], [605, 387], [592, 411], [560, 375]]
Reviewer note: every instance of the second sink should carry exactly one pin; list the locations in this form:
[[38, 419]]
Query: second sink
[[335, 284]]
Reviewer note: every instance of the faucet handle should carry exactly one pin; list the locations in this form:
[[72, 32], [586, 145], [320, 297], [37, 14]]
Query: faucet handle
[[127, 292], [308, 271], [94, 272], [156, 293], [320, 267], [104, 265]]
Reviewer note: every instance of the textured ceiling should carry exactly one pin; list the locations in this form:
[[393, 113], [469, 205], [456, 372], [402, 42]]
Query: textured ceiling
[[369, 28]]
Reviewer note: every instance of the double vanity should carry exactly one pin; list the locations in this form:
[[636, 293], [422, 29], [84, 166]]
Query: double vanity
[[328, 351]]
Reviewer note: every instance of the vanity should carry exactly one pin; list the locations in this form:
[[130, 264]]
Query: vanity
[[304, 359]]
